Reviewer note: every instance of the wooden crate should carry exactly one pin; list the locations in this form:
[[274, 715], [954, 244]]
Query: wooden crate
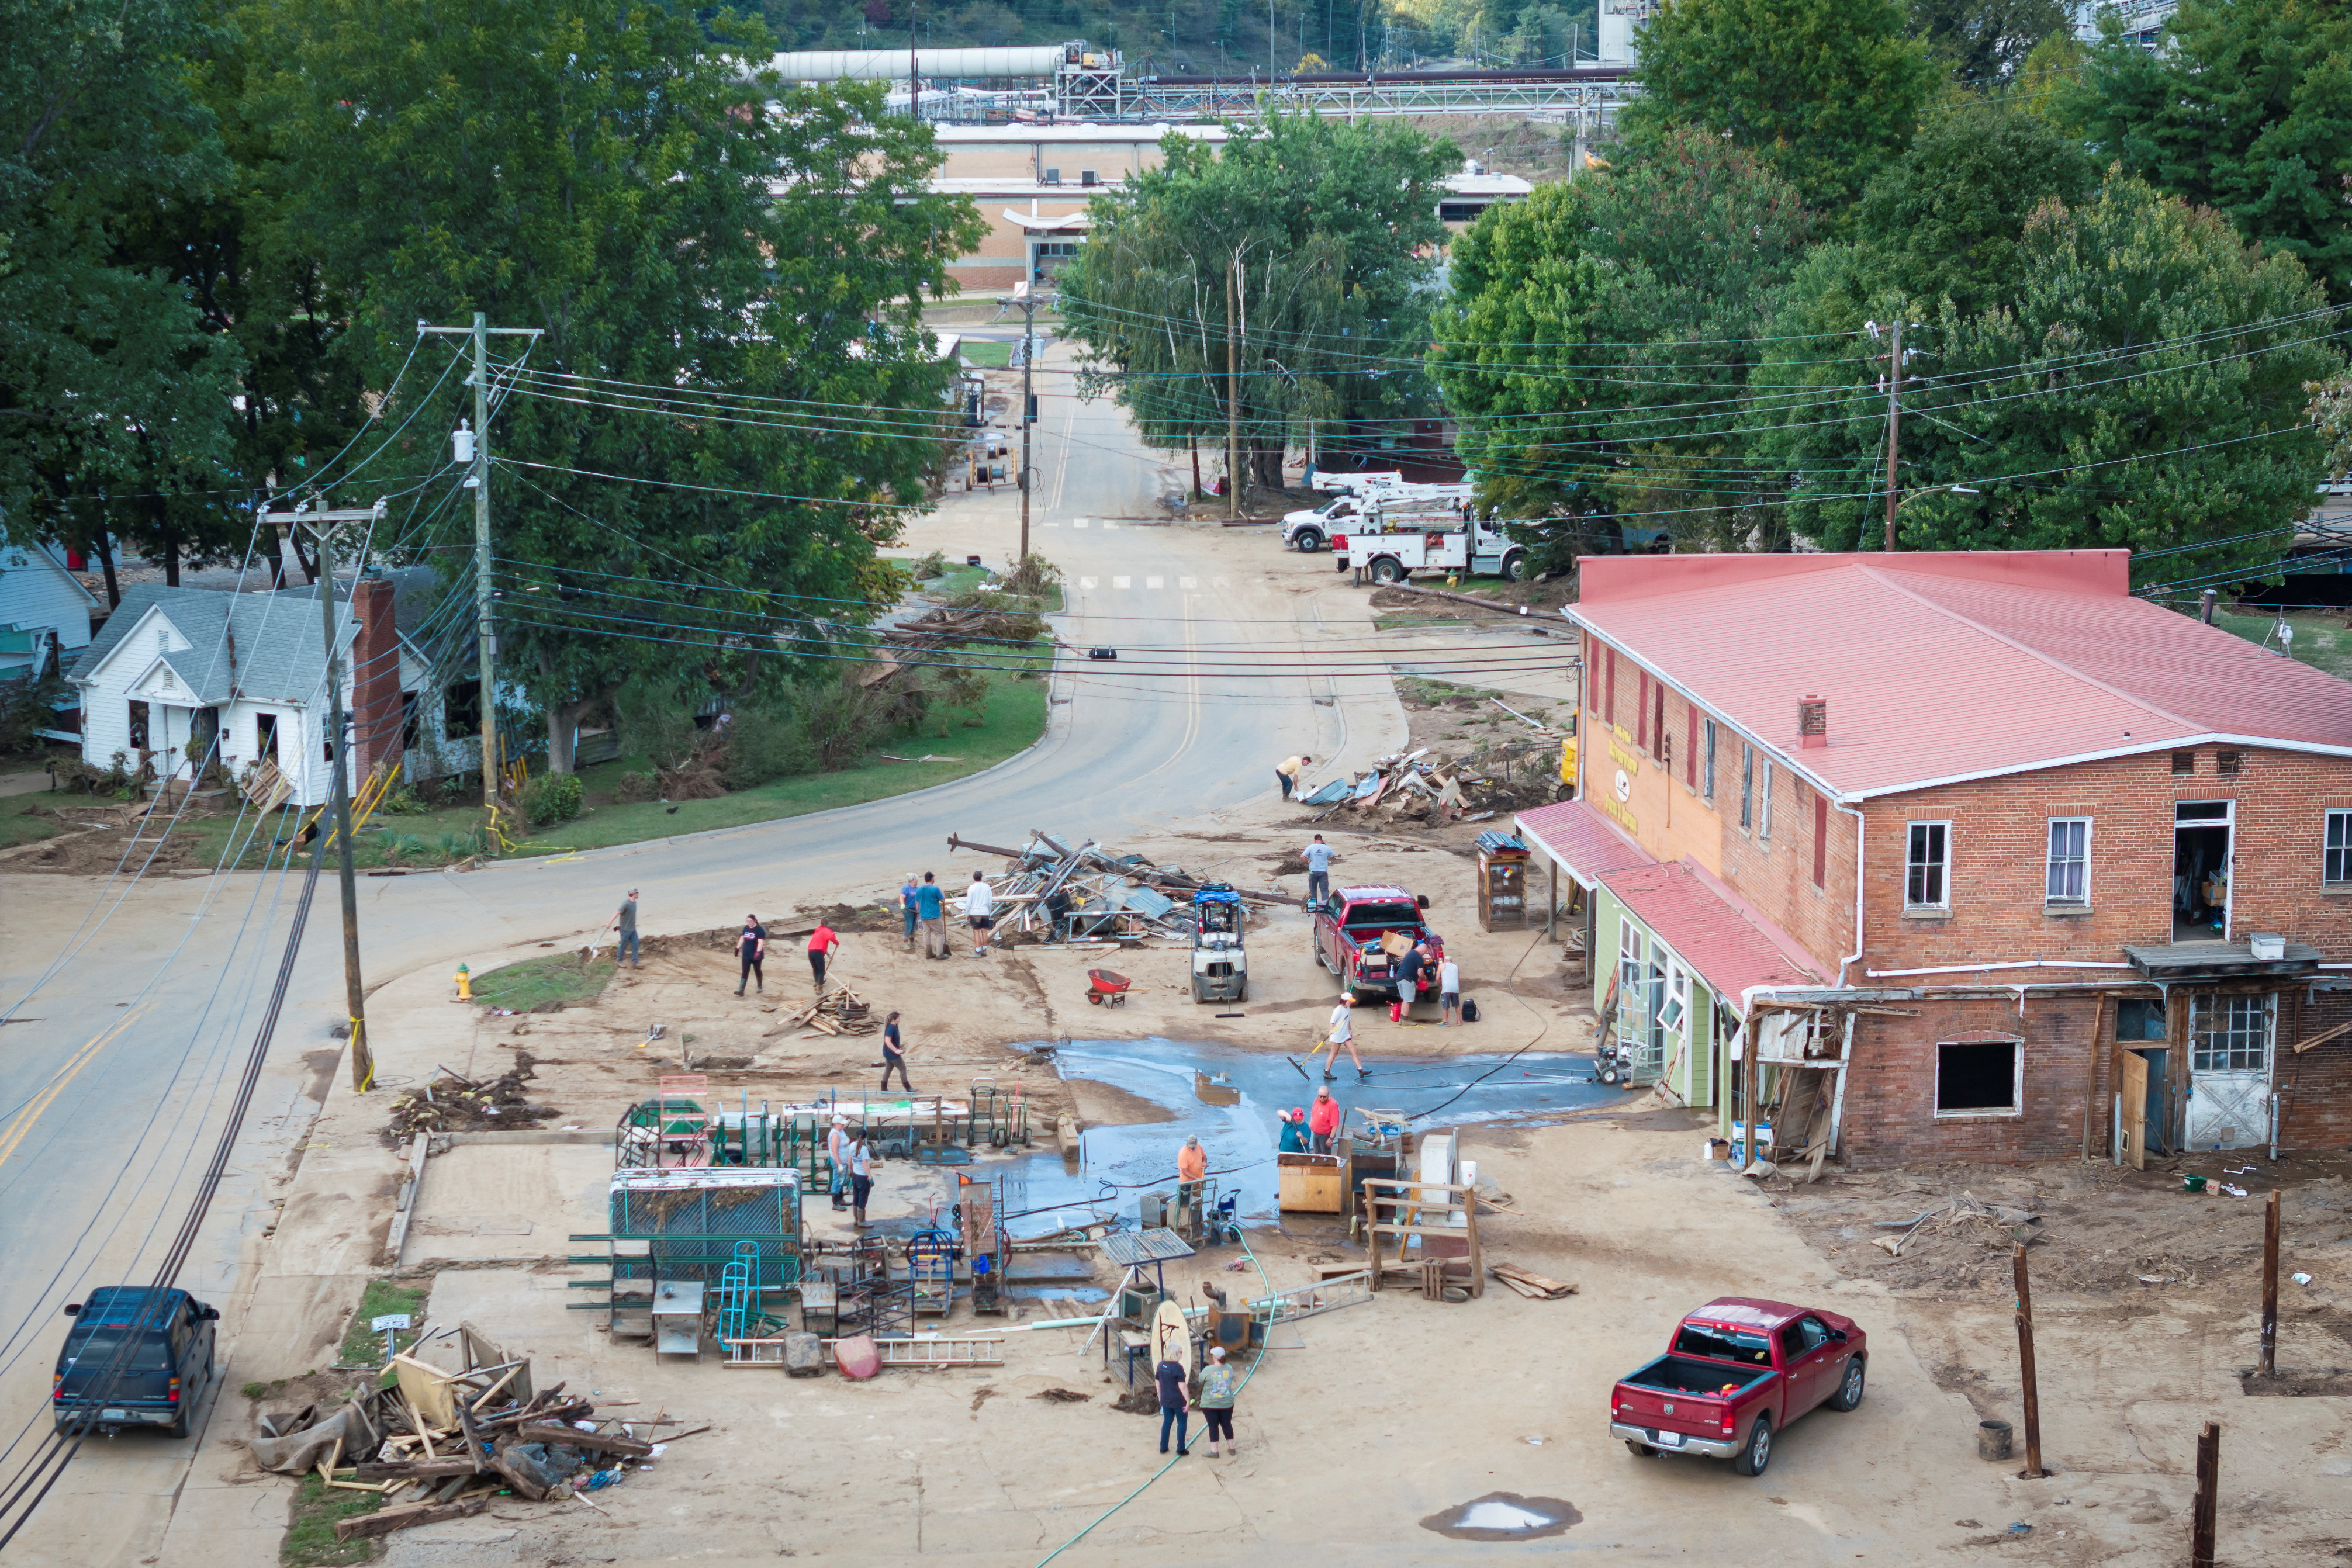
[[1310, 1184]]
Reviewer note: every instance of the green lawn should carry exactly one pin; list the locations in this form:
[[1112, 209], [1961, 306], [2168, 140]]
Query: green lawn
[[1011, 718], [522, 987], [986, 355], [309, 1540], [2323, 641], [964, 579], [363, 1346]]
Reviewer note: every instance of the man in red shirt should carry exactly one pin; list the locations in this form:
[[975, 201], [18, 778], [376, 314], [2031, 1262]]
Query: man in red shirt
[[822, 945], [1323, 1119]]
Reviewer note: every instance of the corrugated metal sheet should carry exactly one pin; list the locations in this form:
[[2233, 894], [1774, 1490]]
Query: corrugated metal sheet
[[1939, 666], [1730, 948], [1587, 843]]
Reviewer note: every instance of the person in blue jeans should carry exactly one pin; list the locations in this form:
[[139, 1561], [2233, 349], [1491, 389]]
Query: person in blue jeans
[[931, 902], [625, 919], [1317, 856], [906, 890], [1170, 1375]]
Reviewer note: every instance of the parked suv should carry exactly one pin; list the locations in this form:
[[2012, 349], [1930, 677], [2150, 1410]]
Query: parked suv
[[135, 1356]]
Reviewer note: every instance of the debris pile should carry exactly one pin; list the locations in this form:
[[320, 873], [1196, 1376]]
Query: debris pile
[[445, 1443], [943, 627], [454, 1102], [1421, 786], [1966, 1218], [839, 1012], [1053, 891]]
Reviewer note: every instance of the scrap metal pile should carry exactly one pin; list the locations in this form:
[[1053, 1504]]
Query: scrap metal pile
[[1421, 786], [446, 1443], [1054, 891]]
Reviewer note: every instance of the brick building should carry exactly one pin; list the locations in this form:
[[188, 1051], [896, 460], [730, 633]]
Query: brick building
[[1952, 855]]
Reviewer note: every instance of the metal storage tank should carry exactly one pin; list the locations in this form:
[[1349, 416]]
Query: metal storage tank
[[890, 65]]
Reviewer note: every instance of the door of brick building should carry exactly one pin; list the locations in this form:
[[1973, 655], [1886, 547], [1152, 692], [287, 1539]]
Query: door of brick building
[[2229, 1071], [2134, 1110]]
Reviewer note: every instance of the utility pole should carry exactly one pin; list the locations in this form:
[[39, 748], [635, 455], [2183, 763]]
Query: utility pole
[[1893, 422], [478, 481], [337, 735], [1028, 405], [1232, 398]]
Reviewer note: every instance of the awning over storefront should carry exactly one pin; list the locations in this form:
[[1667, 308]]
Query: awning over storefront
[[1727, 944], [1584, 844]]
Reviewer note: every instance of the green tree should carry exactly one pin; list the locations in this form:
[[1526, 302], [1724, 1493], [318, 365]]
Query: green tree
[[2247, 109], [1597, 342], [1985, 41], [731, 297], [113, 398], [2144, 388], [1946, 218], [1328, 232], [1822, 90]]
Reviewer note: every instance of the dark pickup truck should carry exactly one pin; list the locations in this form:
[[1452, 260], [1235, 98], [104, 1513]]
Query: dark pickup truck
[[1736, 1371], [135, 1356], [1349, 926]]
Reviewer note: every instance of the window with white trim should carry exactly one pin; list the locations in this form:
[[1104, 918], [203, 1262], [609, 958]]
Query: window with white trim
[[1927, 867], [1979, 1078], [1707, 760], [1747, 787], [2337, 867], [2067, 879], [1764, 810]]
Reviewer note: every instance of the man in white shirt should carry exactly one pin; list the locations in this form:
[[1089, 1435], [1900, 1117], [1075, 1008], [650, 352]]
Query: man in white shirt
[[1342, 1033], [979, 909], [1449, 991], [836, 1149]]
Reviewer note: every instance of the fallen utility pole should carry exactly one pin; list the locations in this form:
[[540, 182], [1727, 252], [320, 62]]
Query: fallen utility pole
[[2208, 1494], [2033, 1469], [338, 737], [2270, 1285]]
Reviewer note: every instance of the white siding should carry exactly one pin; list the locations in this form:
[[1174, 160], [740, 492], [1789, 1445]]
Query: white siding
[[34, 591]]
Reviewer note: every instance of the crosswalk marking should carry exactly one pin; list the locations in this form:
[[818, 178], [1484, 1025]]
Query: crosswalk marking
[[1076, 522], [1109, 527], [1086, 582], [1188, 581], [1155, 582], [1122, 582]]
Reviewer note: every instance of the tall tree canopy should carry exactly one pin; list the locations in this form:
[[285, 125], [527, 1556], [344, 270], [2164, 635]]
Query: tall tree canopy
[[2247, 109], [1598, 339], [2143, 387], [1985, 41], [730, 300], [1326, 232], [1822, 90]]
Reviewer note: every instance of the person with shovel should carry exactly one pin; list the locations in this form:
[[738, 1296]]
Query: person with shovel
[[1342, 1033]]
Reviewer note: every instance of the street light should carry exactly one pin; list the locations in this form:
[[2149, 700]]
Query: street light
[[1930, 490]]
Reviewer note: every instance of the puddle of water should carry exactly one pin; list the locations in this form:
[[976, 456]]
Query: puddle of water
[[1232, 1100], [1505, 1516]]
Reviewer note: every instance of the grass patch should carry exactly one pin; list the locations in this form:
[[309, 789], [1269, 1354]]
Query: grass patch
[[30, 824], [1408, 621], [964, 579], [986, 355], [1436, 694], [524, 986], [2323, 641], [363, 1346], [310, 1525]]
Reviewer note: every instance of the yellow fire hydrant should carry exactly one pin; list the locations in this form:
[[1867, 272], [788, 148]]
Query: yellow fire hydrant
[[465, 984]]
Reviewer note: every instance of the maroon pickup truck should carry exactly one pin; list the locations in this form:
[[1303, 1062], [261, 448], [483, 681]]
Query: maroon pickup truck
[[1348, 928], [1739, 1371]]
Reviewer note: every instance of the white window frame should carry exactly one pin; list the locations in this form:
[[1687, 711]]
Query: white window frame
[[1707, 759], [2015, 1110], [1747, 787], [2050, 863], [1942, 865], [1764, 812], [2336, 848]]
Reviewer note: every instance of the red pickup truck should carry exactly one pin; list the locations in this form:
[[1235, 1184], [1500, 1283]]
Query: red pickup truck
[[1736, 1371], [1348, 926]]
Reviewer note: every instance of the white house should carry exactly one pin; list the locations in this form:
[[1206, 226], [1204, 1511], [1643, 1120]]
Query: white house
[[44, 614], [188, 676]]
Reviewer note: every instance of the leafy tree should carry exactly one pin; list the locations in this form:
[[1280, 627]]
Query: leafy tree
[[730, 299], [113, 395], [2248, 109], [1598, 340], [1944, 219], [1985, 41], [2144, 389], [1333, 227], [1822, 90]]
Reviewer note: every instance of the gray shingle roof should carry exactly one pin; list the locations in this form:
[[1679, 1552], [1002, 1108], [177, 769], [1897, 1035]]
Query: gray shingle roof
[[265, 646]]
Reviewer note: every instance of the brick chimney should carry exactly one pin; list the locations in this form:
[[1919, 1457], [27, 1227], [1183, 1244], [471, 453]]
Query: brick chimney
[[375, 678], [1812, 722]]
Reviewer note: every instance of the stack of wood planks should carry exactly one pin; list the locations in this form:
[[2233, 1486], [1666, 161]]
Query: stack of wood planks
[[1535, 1287], [839, 1012]]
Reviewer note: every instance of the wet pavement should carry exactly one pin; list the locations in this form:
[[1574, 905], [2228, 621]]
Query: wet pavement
[[1232, 1100]]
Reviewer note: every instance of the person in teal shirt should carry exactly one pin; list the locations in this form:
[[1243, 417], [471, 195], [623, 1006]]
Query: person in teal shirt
[[1293, 1132], [929, 901]]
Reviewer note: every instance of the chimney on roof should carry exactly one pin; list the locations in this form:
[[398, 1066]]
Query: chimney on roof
[[1812, 722], [376, 707]]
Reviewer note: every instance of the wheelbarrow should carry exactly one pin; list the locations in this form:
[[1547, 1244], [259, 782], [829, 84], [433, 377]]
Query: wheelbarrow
[[1103, 985]]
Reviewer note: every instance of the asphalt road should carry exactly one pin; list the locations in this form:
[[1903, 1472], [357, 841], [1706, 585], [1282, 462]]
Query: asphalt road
[[114, 1074]]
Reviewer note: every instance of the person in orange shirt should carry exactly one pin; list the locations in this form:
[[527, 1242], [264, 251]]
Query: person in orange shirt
[[1192, 1169], [823, 944]]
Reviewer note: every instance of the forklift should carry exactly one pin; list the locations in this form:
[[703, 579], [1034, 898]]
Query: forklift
[[1220, 966]]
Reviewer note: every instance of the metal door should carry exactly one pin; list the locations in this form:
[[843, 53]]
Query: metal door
[[2229, 1071], [2135, 1110]]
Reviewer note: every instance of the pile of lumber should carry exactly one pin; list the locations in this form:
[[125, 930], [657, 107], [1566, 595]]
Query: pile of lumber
[[1969, 1216], [838, 1011], [1535, 1287]]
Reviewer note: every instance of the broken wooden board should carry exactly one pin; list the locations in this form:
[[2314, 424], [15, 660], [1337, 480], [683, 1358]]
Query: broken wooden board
[[385, 1521], [1528, 1284]]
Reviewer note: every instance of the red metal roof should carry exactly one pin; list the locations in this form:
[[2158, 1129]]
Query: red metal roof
[[1941, 666], [1732, 947], [1587, 843]]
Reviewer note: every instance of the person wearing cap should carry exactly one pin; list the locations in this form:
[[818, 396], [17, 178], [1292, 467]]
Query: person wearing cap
[[906, 895], [1288, 771], [1342, 1031], [1192, 1169], [1324, 1120], [861, 1176], [1218, 1386], [626, 920], [1294, 1131], [836, 1150]]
